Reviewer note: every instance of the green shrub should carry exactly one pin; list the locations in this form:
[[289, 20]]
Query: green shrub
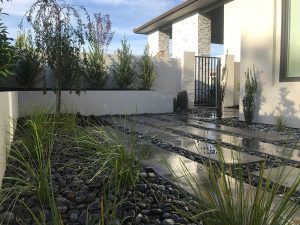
[[96, 71], [221, 90], [29, 67], [250, 95], [280, 121], [147, 73], [222, 199], [123, 70], [7, 53]]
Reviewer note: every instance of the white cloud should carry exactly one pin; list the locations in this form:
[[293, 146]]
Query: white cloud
[[137, 3], [117, 2], [127, 31], [17, 7]]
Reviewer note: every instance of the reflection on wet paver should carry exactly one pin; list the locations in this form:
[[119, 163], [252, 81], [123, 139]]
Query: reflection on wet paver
[[145, 119], [245, 143], [289, 175], [217, 127], [203, 149]]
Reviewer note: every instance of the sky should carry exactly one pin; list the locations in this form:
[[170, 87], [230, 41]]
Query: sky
[[125, 15]]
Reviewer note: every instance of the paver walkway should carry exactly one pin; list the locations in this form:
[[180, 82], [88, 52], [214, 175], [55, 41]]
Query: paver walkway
[[163, 162], [259, 135], [216, 136], [205, 150]]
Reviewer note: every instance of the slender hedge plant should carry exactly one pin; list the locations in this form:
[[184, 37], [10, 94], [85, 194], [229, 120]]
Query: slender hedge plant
[[147, 73], [123, 70], [250, 95]]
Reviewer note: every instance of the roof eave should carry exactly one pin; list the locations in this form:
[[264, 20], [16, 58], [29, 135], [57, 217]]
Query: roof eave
[[188, 7]]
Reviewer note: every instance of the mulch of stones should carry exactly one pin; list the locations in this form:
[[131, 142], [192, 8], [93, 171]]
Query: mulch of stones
[[153, 200]]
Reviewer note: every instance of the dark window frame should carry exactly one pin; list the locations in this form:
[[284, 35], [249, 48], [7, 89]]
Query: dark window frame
[[285, 31]]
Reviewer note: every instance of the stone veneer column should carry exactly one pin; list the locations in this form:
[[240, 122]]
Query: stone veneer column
[[204, 38], [164, 40], [159, 44]]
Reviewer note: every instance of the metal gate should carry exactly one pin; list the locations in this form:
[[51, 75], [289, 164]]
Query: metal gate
[[207, 80]]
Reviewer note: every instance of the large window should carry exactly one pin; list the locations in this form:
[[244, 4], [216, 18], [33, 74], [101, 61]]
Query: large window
[[290, 50]]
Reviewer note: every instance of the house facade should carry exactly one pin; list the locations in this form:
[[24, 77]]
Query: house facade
[[267, 35], [261, 34]]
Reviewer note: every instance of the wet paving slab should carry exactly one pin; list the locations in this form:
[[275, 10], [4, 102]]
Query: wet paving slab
[[269, 137], [289, 175], [245, 143], [150, 120], [140, 128], [210, 113], [236, 141], [205, 150]]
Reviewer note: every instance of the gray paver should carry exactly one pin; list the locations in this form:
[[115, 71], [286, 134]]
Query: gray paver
[[205, 150], [234, 130], [149, 120], [289, 175], [270, 149], [246, 143]]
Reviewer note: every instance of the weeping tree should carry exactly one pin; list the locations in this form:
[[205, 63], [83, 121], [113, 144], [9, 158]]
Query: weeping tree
[[59, 37]]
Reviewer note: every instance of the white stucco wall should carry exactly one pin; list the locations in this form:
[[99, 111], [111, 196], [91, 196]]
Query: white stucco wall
[[260, 23], [8, 117], [185, 36], [188, 77], [153, 42], [232, 28], [99, 102], [169, 75]]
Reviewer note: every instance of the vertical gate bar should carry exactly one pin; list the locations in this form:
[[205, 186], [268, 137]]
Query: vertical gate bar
[[205, 94], [202, 92], [215, 82], [219, 78], [209, 79], [211, 82], [195, 80], [198, 77], [199, 71]]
